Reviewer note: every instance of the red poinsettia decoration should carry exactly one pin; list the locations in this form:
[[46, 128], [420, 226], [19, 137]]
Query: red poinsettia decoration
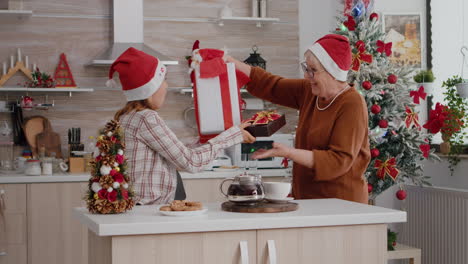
[[383, 47], [350, 23], [386, 168], [443, 119], [418, 94], [360, 56]]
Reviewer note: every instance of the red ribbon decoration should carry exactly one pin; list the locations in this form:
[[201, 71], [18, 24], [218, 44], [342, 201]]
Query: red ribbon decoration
[[425, 148], [350, 24], [418, 94], [361, 56], [384, 47], [387, 168], [411, 117], [264, 117]]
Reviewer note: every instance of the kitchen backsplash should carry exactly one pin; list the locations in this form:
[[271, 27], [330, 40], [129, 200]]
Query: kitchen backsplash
[[83, 28]]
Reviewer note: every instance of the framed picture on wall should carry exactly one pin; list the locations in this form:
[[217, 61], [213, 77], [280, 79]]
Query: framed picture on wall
[[405, 32]]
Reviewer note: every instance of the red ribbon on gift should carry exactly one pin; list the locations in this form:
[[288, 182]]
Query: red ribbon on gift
[[264, 117], [411, 117], [387, 168], [360, 56]]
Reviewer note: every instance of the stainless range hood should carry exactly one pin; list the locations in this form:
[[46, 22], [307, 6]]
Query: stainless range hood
[[128, 32]]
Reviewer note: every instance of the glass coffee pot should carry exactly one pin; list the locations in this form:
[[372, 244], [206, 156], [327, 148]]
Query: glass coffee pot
[[244, 188]]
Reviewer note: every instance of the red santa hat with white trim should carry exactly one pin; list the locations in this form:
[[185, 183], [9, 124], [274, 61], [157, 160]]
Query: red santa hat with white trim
[[140, 74], [334, 52]]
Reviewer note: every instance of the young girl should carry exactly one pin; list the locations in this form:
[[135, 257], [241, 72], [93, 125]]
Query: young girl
[[153, 151]]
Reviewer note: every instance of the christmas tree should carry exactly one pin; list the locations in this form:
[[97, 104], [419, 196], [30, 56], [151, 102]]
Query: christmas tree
[[398, 144], [109, 191]]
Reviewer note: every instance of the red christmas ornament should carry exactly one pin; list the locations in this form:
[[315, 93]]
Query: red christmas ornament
[[392, 78], [369, 188], [374, 153], [366, 85], [394, 244], [383, 123], [375, 109], [401, 194], [374, 16]]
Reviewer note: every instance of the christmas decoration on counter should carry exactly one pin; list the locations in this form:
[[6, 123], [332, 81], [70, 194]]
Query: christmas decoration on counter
[[109, 191], [216, 91], [266, 123], [396, 141], [63, 75], [14, 68]]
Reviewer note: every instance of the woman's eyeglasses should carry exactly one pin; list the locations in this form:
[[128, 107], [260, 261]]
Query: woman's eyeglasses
[[311, 73]]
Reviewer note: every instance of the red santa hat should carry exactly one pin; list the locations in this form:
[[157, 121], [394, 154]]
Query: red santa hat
[[140, 74], [334, 52]]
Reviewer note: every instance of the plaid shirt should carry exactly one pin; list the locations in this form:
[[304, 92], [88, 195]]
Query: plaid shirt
[[154, 154]]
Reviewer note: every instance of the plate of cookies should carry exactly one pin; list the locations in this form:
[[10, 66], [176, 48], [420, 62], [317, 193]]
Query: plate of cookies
[[183, 208]]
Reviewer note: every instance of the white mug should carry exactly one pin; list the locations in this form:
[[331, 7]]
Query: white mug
[[277, 190]]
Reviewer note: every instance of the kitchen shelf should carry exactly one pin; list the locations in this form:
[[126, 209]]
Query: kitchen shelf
[[259, 21], [17, 13], [52, 90]]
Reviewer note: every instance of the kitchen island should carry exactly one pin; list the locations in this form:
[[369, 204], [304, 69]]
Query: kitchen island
[[320, 231]]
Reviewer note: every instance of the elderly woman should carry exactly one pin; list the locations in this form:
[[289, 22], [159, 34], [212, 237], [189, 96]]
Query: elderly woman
[[332, 147]]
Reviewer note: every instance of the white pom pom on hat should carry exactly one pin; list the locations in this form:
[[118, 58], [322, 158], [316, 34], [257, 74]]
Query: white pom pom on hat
[[140, 74]]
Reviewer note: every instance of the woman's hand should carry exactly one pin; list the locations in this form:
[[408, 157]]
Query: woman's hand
[[278, 150], [248, 138], [245, 68]]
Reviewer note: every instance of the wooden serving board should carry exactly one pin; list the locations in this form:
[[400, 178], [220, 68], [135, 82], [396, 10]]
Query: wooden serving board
[[263, 207]]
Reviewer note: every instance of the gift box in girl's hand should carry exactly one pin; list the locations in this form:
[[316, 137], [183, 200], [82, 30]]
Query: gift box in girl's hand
[[266, 123]]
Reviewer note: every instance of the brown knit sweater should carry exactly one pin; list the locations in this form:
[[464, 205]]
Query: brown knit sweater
[[337, 136]]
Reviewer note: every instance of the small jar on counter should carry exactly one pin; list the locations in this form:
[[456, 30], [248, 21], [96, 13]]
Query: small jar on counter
[[33, 167], [47, 166]]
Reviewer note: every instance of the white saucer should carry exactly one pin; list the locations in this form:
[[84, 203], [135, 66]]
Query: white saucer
[[225, 169], [285, 200]]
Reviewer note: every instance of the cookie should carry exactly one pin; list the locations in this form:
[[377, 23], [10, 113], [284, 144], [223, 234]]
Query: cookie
[[165, 208]]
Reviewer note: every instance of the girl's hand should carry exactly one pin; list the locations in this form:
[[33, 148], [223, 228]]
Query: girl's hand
[[248, 138], [278, 150]]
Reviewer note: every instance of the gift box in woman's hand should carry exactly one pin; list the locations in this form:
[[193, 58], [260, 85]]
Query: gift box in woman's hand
[[266, 123]]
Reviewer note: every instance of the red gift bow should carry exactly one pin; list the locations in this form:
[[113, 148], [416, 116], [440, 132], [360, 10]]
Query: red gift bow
[[387, 167], [350, 24], [418, 94], [361, 56], [264, 117], [384, 47], [411, 117]]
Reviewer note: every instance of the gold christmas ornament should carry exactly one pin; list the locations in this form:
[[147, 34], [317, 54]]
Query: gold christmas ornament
[[96, 196]]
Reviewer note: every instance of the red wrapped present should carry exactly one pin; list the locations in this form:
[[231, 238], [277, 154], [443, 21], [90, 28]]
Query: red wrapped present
[[266, 123], [216, 87]]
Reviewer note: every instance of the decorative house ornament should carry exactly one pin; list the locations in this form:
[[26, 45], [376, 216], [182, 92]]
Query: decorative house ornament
[[63, 75], [255, 59]]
